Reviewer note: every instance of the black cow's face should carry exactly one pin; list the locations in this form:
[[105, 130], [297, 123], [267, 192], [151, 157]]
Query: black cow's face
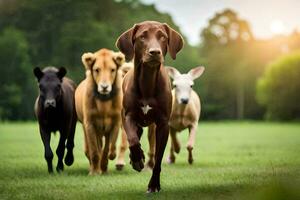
[[50, 81]]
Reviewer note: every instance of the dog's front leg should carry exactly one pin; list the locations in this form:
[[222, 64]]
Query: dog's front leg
[[162, 133], [134, 133]]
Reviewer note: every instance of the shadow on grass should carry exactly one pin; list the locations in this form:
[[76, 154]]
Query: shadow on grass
[[274, 190]]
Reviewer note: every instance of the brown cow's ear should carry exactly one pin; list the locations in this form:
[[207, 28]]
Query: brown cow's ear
[[172, 72], [175, 42], [119, 59], [88, 60], [125, 43], [38, 73], [61, 72]]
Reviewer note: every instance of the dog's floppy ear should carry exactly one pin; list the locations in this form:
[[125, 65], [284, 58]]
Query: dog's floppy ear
[[38, 73], [172, 72], [88, 60], [196, 72], [61, 72], [119, 58], [175, 42], [125, 43]]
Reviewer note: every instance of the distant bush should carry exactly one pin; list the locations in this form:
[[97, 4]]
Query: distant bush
[[279, 88]]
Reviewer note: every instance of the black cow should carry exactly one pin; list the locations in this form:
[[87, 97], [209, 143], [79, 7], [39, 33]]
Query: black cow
[[55, 111]]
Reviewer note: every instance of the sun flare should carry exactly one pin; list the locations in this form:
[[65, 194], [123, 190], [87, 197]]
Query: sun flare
[[277, 27]]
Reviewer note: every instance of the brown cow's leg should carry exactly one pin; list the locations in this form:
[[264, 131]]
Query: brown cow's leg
[[162, 133], [104, 157], [122, 149], [151, 139], [46, 136], [85, 145], [171, 158], [93, 149], [191, 142], [134, 133], [113, 141]]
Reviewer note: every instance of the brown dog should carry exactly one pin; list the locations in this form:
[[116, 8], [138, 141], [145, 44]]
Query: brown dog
[[147, 89], [98, 106]]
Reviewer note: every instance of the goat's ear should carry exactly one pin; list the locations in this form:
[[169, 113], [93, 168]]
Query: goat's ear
[[172, 72], [196, 72], [125, 43], [119, 59], [61, 72], [126, 67], [175, 41], [88, 60], [38, 73]]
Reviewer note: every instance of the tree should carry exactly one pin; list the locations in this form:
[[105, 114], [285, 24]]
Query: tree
[[16, 84], [278, 89], [225, 44]]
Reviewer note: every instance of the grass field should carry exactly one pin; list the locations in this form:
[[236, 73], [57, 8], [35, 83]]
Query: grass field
[[233, 160]]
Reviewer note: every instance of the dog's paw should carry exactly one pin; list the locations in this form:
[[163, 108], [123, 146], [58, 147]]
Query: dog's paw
[[137, 157], [154, 185]]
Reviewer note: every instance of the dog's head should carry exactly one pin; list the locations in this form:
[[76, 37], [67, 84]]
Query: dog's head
[[103, 66], [149, 41]]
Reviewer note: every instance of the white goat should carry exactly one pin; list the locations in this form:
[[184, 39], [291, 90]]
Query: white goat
[[186, 109]]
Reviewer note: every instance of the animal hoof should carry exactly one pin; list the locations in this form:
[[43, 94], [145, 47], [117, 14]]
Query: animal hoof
[[150, 164], [69, 159], [138, 166], [94, 173], [60, 168], [191, 160], [152, 190], [177, 149], [119, 167], [171, 160], [112, 156]]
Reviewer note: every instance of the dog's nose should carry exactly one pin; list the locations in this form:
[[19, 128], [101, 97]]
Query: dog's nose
[[50, 102], [184, 100], [154, 51]]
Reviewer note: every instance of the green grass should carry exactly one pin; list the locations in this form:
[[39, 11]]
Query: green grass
[[233, 160]]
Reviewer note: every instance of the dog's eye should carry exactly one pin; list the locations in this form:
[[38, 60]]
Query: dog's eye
[[113, 70], [163, 38], [142, 37], [97, 70], [175, 86], [191, 86]]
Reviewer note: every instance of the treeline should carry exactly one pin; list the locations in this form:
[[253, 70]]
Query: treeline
[[57, 32]]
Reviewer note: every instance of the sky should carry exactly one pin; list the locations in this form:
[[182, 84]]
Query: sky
[[266, 17]]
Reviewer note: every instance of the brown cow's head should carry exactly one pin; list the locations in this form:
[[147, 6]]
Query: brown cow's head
[[149, 41], [103, 65]]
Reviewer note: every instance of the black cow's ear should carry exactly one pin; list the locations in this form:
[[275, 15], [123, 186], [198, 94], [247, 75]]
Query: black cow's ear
[[38, 73], [61, 72]]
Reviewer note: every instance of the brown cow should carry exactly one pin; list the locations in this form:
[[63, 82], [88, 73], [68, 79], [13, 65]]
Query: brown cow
[[98, 106], [147, 89]]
